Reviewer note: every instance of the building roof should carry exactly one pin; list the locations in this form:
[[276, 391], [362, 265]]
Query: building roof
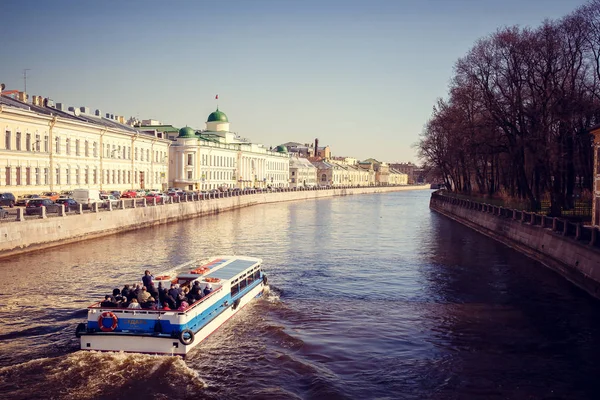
[[217, 116]]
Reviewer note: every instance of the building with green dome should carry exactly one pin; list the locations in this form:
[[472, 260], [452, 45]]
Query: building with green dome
[[216, 158]]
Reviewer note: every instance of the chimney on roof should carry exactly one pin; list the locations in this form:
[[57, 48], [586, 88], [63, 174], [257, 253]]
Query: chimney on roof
[[60, 106], [107, 116], [22, 96], [112, 116], [40, 101], [98, 113], [121, 119], [34, 101], [72, 109], [316, 147], [85, 110]]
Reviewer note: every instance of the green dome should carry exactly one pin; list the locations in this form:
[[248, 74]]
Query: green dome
[[281, 149], [187, 132], [217, 116]]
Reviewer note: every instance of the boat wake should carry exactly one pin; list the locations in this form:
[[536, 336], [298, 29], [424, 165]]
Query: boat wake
[[92, 375]]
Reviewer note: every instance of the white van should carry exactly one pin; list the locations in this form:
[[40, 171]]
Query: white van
[[86, 197]]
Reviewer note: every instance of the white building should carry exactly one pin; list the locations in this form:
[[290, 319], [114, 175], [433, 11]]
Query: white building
[[47, 147], [218, 158], [302, 172]]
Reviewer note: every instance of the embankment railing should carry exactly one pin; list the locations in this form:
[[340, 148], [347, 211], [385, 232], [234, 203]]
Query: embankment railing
[[579, 232]]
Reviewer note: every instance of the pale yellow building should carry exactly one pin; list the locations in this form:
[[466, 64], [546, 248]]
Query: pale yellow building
[[49, 147]]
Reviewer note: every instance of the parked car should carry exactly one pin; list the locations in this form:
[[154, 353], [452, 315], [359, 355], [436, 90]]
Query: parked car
[[7, 199], [109, 198], [129, 194], [35, 206], [3, 213], [115, 193], [86, 197], [160, 198], [67, 194], [70, 204], [51, 195], [22, 201]]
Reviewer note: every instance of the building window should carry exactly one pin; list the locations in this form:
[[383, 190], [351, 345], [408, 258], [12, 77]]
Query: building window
[[141, 154], [77, 147], [107, 150], [147, 154], [68, 176], [68, 146], [28, 176], [128, 176], [57, 145], [114, 176], [77, 181], [37, 176], [95, 176], [189, 174], [95, 149], [7, 140], [86, 177], [46, 143], [7, 173], [37, 142], [58, 176], [18, 140], [190, 159], [18, 175], [87, 149], [28, 142]]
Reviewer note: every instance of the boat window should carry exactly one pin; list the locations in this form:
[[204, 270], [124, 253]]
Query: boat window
[[243, 284], [234, 290], [250, 278], [257, 275]]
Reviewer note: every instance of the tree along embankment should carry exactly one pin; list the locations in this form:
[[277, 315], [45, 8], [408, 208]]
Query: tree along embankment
[[31, 234], [572, 250]]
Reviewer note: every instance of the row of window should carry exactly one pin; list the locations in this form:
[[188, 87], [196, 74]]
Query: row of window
[[217, 161], [28, 176], [34, 143]]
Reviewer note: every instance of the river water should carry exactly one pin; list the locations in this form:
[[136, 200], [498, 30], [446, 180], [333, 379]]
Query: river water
[[371, 297]]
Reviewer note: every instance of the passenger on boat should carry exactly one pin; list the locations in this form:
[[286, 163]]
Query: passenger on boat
[[135, 292], [147, 280], [149, 304], [125, 291], [195, 293], [116, 295], [184, 305], [134, 304], [143, 296], [108, 302], [207, 289], [165, 306]]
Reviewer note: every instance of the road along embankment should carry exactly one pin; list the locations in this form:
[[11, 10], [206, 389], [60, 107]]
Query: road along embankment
[[25, 234], [572, 250]]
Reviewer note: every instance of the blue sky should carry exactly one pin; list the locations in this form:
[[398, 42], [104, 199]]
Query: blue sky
[[362, 76]]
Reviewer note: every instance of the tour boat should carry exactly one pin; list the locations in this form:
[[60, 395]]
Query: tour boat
[[235, 282]]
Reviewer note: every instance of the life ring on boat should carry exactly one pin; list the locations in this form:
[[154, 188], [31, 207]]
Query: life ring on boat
[[212, 280], [162, 278], [186, 337], [236, 303], [80, 330], [113, 317], [265, 280]]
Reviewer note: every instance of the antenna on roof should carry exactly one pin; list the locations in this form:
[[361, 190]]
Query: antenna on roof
[[25, 77]]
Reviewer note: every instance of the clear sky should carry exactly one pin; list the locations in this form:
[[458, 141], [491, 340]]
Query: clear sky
[[362, 76]]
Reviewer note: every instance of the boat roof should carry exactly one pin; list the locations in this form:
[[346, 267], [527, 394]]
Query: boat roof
[[229, 268]]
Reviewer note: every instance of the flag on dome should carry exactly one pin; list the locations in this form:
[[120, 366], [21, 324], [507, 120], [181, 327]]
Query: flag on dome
[[217, 97]]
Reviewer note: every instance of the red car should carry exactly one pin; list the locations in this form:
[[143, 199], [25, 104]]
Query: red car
[[129, 194], [159, 198]]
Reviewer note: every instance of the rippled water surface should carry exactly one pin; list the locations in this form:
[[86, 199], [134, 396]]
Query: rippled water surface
[[371, 296]]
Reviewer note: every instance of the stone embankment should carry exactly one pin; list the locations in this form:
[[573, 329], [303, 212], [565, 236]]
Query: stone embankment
[[572, 250], [25, 234]]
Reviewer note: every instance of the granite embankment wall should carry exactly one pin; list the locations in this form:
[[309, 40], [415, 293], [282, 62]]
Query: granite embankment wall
[[30, 234], [572, 250]]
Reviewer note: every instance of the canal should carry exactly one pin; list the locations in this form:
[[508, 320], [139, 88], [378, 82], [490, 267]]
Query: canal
[[371, 296]]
